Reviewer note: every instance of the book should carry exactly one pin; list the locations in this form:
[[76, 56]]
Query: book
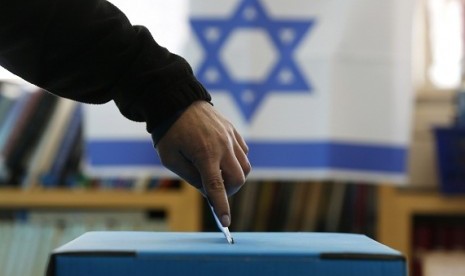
[[314, 206], [7, 100], [64, 150], [246, 206], [72, 165], [348, 215], [279, 206], [42, 157], [361, 210], [11, 117], [29, 136], [335, 208], [20, 123], [32, 134], [7, 128]]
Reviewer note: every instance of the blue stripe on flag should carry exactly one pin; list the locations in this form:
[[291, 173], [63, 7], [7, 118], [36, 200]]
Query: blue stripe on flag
[[295, 155], [328, 155], [121, 153]]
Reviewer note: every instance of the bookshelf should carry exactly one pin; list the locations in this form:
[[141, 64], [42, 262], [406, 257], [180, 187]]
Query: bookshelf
[[397, 207], [182, 206], [43, 153]]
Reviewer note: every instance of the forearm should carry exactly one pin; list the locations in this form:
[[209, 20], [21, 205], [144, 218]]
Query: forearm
[[88, 51]]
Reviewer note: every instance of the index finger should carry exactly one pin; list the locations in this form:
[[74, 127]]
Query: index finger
[[215, 191]]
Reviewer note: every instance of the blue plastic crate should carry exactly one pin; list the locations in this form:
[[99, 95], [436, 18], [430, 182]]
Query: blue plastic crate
[[450, 149]]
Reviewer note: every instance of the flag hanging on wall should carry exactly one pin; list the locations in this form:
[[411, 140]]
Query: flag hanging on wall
[[320, 89]]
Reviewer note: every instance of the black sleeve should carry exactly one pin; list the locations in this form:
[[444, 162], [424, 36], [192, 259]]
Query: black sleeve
[[87, 50]]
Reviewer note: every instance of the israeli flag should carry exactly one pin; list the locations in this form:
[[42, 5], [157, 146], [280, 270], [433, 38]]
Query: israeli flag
[[320, 89]]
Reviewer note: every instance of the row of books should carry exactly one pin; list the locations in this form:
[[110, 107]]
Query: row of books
[[41, 144], [80, 180], [28, 240], [303, 206], [438, 237], [40, 136]]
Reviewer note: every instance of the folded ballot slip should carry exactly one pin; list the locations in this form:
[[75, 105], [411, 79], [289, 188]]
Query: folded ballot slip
[[224, 230]]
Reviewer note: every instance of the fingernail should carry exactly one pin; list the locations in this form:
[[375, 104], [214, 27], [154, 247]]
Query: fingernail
[[225, 220]]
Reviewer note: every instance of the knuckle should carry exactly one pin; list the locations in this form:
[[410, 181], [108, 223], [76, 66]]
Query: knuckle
[[234, 188], [238, 181], [246, 149], [247, 169], [234, 184], [214, 184], [203, 153], [225, 141]]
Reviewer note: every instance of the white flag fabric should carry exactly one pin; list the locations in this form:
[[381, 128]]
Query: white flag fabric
[[320, 89]]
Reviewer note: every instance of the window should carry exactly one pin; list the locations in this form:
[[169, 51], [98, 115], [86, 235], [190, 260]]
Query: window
[[438, 44]]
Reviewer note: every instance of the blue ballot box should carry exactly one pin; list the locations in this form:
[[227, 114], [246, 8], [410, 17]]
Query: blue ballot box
[[155, 253]]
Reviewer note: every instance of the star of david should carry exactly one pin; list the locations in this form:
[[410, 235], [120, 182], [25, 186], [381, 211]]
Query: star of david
[[283, 76]]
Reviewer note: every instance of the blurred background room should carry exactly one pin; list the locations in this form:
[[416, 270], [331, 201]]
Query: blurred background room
[[354, 112]]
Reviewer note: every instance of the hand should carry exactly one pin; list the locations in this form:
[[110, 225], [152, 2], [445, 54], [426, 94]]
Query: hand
[[205, 149]]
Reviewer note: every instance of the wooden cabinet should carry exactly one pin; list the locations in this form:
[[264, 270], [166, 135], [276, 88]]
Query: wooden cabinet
[[182, 206], [397, 208]]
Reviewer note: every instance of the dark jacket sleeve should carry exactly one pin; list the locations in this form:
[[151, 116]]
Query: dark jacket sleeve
[[88, 51]]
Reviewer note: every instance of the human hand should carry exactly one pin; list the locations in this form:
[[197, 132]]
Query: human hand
[[205, 149]]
